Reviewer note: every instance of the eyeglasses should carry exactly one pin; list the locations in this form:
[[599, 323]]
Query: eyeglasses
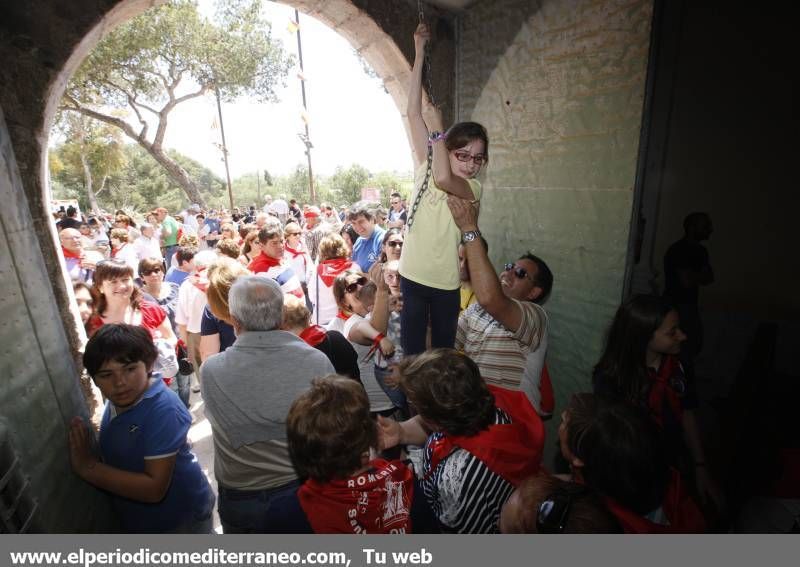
[[351, 288], [150, 272], [395, 243], [521, 273], [551, 518], [478, 160]]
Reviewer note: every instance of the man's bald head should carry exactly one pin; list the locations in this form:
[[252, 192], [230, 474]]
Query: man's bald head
[[71, 240]]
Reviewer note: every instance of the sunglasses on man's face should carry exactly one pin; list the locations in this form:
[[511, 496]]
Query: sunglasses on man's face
[[151, 272], [521, 273], [352, 287], [395, 243]]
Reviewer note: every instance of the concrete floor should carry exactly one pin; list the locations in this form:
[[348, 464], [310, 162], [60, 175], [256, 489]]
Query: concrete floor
[[203, 446]]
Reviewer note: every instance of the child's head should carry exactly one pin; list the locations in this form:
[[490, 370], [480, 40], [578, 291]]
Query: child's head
[[119, 358], [468, 145], [616, 449], [391, 275], [329, 429], [546, 504], [296, 316], [446, 388]]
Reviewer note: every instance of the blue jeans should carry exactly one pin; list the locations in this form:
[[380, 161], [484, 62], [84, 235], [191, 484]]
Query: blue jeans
[[169, 251], [396, 395], [245, 511], [421, 304], [180, 385]]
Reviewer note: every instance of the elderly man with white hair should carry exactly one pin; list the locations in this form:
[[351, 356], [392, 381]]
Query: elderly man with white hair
[[147, 245], [247, 391]]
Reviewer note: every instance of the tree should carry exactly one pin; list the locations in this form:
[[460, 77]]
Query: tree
[[347, 183], [94, 149], [169, 55], [140, 184]]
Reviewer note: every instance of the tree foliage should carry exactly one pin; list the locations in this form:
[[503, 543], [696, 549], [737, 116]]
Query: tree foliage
[[346, 184], [169, 55], [92, 153], [140, 184]]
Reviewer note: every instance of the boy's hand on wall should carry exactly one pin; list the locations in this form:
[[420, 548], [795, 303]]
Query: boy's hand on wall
[[80, 454]]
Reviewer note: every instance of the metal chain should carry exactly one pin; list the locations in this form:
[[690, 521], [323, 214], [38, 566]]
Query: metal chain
[[422, 188], [427, 64]]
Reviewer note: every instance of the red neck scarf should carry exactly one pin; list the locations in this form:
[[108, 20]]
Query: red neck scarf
[[661, 389], [262, 263], [512, 451], [683, 514], [114, 252], [344, 317], [377, 501], [329, 269], [292, 251], [70, 254], [313, 335]]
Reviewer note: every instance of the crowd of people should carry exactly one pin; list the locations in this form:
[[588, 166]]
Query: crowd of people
[[366, 371]]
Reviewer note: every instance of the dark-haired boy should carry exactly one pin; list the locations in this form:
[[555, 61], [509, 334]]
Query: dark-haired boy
[[157, 484], [185, 258]]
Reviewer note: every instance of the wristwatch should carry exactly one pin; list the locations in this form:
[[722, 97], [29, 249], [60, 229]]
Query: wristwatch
[[470, 235]]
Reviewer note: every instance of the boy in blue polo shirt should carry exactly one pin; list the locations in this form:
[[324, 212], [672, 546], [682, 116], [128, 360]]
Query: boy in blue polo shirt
[[146, 464]]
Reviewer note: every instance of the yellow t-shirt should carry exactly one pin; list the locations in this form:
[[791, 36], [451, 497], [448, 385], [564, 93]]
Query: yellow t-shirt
[[430, 247]]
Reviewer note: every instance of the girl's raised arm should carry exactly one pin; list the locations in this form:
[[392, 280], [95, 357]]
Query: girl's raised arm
[[419, 131]]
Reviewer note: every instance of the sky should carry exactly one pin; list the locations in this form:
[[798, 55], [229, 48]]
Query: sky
[[352, 118]]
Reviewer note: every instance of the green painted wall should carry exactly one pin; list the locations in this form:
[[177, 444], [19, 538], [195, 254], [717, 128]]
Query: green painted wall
[[560, 87]]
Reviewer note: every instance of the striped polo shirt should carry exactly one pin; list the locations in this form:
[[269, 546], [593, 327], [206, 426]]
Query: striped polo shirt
[[501, 355]]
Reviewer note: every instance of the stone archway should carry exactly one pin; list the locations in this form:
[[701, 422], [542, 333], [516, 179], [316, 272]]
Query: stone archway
[[42, 43]]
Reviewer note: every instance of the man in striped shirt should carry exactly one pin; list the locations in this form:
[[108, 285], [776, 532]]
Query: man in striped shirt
[[505, 333]]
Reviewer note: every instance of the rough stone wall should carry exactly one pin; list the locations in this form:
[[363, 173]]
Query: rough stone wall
[[559, 85], [40, 393]]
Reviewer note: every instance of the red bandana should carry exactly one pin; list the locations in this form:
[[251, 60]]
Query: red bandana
[[115, 252], [69, 254], [262, 263], [512, 451], [683, 514], [341, 315], [314, 335], [293, 252], [329, 269], [662, 389], [375, 502]]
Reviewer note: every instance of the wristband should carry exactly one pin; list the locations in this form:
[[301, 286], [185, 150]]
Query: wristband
[[434, 137], [377, 340]]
